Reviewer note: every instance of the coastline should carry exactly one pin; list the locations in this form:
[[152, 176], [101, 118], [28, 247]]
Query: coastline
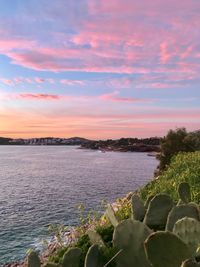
[[70, 237], [95, 154], [151, 144]]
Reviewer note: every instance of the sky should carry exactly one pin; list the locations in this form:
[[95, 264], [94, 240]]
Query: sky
[[99, 69]]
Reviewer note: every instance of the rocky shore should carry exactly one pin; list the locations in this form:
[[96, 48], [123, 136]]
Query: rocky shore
[[124, 145], [69, 237]]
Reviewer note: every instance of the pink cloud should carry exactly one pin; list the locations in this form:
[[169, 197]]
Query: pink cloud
[[162, 8], [18, 80], [114, 96], [38, 96], [161, 85], [112, 7], [152, 37], [120, 83], [187, 52], [50, 80], [157, 115], [164, 54], [71, 82], [7, 81], [39, 80], [29, 80], [10, 43]]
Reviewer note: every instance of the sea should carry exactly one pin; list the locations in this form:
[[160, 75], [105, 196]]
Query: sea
[[43, 185]]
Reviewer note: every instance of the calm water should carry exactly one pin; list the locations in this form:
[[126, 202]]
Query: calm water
[[43, 185]]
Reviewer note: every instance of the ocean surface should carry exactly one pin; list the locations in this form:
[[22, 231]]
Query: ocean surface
[[40, 185]]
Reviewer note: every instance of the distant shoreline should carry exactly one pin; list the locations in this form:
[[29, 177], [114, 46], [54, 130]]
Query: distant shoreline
[[149, 145]]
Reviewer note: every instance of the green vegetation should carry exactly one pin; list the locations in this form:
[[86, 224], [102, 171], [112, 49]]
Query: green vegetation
[[185, 167], [135, 241], [158, 226], [125, 144], [177, 141]]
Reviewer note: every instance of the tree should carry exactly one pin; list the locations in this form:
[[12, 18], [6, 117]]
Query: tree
[[177, 141], [192, 140]]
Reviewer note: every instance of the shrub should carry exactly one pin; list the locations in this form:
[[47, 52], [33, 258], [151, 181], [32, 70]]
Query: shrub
[[176, 141], [183, 167]]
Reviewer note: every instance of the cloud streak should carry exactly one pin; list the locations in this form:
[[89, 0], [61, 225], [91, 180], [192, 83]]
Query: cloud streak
[[102, 65], [39, 96]]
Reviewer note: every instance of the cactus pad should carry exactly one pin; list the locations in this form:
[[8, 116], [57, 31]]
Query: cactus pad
[[190, 263], [51, 264], [33, 259], [71, 258], [95, 238], [165, 249], [184, 192], [110, 214], [188, 230], [146, 204], [158, 210], [138, 209], [93, 257], [179, 212], [129, 236]]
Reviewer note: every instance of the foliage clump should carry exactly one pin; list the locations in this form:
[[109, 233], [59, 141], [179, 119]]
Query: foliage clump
[[185, 167], [176, 141]]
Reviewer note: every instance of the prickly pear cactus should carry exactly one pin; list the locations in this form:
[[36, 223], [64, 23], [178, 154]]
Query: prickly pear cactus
[[51, 264], [93, 257], [95, 238], [138, 209], [190, 263], [71, 258], [184, 192], [188, 230], [33, 259], [165, 249], [110, 214], [158, 210], [179, 212], [146, 204], [129, 236], [195, 205]]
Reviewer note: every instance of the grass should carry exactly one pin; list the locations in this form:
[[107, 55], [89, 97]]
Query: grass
[[185, 167]]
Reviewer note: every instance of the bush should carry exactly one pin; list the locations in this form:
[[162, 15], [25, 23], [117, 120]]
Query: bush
[[183, 167], [177, 141]]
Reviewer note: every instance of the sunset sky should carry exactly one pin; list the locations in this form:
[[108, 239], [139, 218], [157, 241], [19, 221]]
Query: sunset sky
[[99, 68]]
